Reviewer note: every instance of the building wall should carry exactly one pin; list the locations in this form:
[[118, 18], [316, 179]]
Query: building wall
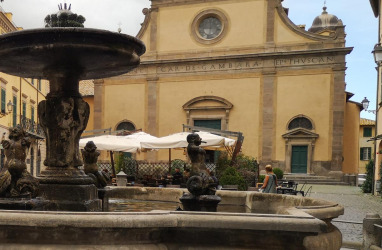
[[90, 101], [363, 142], [27, 91], [351, 134], [377, 9], [270, 70]]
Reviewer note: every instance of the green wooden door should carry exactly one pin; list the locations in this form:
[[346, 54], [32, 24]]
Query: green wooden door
[[299, 159]]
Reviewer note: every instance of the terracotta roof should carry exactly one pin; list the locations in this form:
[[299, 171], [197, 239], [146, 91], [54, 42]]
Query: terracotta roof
[[366, 122], [87, 88]]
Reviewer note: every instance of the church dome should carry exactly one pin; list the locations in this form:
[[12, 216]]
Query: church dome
[[325, 21]]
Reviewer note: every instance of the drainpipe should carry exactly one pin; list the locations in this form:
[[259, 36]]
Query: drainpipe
[[20, 102]]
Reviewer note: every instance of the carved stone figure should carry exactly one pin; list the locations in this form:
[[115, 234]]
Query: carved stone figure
[[200, 182], [63, 119], [15, 180], [90, 157]]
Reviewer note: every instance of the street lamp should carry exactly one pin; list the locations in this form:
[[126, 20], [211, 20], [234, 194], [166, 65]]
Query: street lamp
[[377, 52], [365, 104], [9, 108]]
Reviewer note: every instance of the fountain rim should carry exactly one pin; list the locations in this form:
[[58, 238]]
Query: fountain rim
[[75, 30]]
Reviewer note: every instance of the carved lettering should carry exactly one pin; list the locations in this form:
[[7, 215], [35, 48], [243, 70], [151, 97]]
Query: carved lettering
[[304, 61]]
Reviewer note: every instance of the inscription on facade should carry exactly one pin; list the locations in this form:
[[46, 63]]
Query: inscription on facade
[[233, 65], [304, 61], [200, 67]]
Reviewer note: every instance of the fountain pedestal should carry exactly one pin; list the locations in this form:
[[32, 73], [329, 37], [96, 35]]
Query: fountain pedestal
[[65, 56]]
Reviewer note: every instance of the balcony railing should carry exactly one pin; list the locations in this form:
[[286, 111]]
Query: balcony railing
[[32, 127]]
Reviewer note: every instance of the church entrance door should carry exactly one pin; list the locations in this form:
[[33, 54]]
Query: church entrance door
[[299, 159]]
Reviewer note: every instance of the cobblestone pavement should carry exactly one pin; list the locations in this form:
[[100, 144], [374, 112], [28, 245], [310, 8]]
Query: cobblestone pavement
[[356, 204]]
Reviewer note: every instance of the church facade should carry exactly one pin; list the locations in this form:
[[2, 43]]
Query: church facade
[[243, 66]]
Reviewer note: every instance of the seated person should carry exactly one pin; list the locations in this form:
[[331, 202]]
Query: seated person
[[177, 177]]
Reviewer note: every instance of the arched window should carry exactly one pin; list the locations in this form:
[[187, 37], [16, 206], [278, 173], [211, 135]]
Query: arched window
[[125, 125], [300, 122]]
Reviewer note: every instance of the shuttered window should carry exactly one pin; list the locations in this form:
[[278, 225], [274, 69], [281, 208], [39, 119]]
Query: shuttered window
[[365, 154], [3, 102], [367, 132]]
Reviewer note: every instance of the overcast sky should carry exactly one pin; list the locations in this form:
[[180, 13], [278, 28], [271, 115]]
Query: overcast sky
[[361, 28]]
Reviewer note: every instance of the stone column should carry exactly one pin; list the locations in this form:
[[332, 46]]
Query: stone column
[[151, 126], [268, 117], [63, 117]]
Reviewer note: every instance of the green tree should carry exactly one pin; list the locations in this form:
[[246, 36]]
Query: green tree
[[367, 186], [279, 173], [232, 177]]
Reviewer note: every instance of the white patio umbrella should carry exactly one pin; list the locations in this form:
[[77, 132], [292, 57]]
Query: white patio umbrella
[[179, 140], [113, 143]]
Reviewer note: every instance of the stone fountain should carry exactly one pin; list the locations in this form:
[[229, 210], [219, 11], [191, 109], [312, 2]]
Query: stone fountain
[[65, 56]]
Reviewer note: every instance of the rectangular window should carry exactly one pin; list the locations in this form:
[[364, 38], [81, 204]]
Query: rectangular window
[[367, 132], [32, 81], [39, 84], [365, 154], [14, 111], [24, 109], [3, 101]]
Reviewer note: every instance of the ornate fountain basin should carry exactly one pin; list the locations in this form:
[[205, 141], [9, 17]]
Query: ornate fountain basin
[[88, 53], [276, 221]]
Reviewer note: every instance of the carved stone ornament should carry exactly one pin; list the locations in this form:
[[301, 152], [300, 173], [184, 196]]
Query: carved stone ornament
[[90, 157], [200, 182], [63, 120], [15, 180]]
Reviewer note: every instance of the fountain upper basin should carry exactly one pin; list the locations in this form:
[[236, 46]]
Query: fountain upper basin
[[56, 52]]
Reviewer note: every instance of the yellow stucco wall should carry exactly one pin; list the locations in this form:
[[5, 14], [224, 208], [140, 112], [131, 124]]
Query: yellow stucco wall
[[172, 115], [351, 139], [293, 92], [284, 35], [363, 142], [25, 92], [124, 102], [248, 14]]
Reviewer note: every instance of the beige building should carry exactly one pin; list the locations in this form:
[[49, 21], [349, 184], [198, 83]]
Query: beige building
[[366, 146], [241, 65], [377, 9], [22, 96]]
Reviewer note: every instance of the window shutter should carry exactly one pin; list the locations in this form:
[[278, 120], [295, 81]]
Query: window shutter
[[3, 102], [361, 154]]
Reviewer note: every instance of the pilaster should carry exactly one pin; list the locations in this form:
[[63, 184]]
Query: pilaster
[[98, 103]]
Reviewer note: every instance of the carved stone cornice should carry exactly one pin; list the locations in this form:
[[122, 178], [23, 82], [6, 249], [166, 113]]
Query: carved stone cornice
[[167, 3], [264, 63], [261, 55], [6, 24], [300, 133], [145, 24], [338, 35]]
